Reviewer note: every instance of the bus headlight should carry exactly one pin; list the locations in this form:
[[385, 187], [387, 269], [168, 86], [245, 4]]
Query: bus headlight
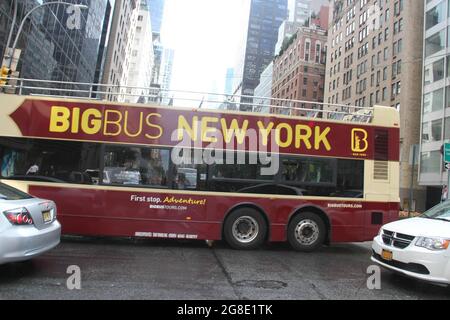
[[434, 244]]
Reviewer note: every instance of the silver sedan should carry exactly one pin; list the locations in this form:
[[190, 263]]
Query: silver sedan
[[28, 225]]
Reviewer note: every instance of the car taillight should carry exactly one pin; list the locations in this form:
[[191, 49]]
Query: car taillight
[[19, 217]]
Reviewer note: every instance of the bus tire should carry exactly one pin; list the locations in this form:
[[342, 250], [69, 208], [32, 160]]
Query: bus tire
[[245, 229], [306, 232]]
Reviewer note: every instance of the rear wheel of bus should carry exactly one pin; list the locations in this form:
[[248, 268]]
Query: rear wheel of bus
[[306, 232], [245, 229]]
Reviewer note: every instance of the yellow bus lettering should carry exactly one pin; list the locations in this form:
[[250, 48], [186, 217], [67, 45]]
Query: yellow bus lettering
[[152, 125], [59, 119], [234, 130], [206, 129], [321, 138], [183, 126], [303, 133], [112, 123], [265, 132], [91, 122]]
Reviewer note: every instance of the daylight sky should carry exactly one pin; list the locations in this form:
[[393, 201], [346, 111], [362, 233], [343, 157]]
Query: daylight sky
[[205, 36]]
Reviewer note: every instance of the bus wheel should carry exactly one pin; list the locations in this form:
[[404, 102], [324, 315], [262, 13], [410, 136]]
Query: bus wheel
[[306, 232], [245, 229]]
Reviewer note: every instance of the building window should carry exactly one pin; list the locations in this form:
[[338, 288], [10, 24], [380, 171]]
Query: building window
[[435, 15], [430, 162], [433, 101], [434, 72], [435, 43], [307, 50]]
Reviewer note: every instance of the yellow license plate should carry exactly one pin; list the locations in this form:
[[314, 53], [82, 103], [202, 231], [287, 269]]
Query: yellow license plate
[[387, 255], [47, 216]]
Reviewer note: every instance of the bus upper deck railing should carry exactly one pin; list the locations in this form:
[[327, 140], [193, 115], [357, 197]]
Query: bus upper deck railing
[[156, 96]]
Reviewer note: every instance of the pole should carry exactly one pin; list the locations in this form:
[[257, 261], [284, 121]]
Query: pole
[[11, 31], [448, 183], [411, 185]]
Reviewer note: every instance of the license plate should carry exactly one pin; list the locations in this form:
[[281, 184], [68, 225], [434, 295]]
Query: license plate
[[387, 255], [47, 215]]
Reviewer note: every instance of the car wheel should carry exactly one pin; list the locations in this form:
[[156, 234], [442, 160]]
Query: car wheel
[[306, 232], [245, 229]]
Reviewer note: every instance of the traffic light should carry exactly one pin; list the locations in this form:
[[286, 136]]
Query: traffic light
[[4, 76]]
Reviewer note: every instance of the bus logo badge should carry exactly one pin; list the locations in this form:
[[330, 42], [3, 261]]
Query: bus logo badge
[[359, 140]]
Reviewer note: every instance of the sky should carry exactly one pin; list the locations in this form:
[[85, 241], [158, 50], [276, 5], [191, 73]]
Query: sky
[[204, 35]]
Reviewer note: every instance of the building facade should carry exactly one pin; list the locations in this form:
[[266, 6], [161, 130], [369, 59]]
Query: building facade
[[141, 61], [166, 74], [263, 92], [157, 13], [374, 57], [120, 46], [299, 71], [261, 36], [436, 99], [57, 44]]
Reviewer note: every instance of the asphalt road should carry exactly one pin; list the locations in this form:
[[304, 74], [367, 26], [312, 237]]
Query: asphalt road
[[127, 269]]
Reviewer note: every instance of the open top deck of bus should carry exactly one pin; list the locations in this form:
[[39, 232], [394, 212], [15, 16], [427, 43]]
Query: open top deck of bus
[[383, 116]]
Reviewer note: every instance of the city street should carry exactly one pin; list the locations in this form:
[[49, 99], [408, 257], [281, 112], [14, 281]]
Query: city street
[[128, 269]]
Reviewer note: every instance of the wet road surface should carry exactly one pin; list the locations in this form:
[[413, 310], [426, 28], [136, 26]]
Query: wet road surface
[[138, 269]]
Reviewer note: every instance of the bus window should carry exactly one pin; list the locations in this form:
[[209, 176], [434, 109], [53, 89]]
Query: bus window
[[308, 170], [125, 165], [48, 160]]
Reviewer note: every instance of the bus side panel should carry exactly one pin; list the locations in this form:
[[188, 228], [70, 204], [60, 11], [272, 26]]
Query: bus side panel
[[97, 212]]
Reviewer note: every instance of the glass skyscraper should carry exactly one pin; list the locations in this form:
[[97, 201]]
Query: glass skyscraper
[[52, 47], [156, 12], [265, 18]]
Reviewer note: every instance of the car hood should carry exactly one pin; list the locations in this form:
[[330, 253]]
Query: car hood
[[420, 227]]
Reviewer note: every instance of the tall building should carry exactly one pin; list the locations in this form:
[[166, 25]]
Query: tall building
[[55, 48], [157, 13], [436, 99], [141, 61], [166, 73], [374, 55], [299, 71], [120, 44], [263, 92], [229, 81], [265, 17], [302, 13], [158, 51]]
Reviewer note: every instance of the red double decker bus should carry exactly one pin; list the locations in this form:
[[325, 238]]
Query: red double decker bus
[[162, 172]]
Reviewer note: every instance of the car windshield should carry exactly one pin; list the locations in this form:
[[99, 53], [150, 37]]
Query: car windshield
[[441, 212], [8, 193]]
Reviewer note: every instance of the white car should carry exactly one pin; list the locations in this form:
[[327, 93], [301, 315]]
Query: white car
[[28, 225], [417, 247]]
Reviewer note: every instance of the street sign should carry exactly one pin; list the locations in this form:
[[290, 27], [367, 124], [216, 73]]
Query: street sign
[[447, 165], [447, 152]]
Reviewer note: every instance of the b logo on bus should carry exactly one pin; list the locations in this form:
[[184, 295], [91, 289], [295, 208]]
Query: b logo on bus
[[359, 140]]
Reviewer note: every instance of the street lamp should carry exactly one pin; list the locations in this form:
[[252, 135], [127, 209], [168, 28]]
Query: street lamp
[[16, 40]]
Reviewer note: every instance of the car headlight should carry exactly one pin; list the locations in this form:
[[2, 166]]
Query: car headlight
[[434, 244], [380, 232]]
